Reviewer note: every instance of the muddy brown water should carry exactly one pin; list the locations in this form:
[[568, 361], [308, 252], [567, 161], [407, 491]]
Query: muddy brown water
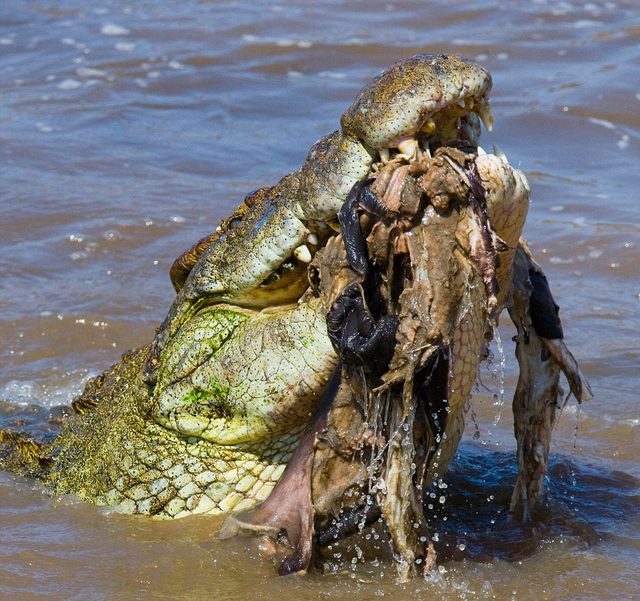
[[129, 129]]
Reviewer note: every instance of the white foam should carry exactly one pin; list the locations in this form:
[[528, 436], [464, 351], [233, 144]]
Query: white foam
[[69, 84], [46, 395], [112, 29], [332, 74], [602, 122], [125, 46], [89, 72], [623, 142], [584, 23]]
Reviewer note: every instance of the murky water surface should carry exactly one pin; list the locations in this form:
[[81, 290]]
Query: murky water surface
[[129, 129]]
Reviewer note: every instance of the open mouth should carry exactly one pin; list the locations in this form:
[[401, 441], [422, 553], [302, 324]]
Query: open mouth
[[291, 273], [459, 121], [421, 103], [456, 125]]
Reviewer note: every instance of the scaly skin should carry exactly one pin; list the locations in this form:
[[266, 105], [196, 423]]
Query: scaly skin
[[254, 380], [404, 99], [199, 446]]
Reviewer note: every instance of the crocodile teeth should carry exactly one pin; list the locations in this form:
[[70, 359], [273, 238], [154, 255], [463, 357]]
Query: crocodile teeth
[[429, 127], [483, 111], [312, 239], [481, 151], [384, 155], [501, 155], [302, 253], [467, 130], [461, 103], [408, 147]]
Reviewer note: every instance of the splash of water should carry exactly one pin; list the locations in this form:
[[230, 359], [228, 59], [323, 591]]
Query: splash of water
[[499, 372]]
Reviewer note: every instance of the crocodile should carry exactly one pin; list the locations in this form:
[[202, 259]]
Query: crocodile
[[206, 418]]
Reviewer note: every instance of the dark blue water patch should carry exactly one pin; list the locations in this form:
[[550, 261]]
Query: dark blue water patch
[[584, 503]]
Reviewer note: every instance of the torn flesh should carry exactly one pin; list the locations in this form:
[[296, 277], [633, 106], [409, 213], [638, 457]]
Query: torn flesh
[[401, 422]]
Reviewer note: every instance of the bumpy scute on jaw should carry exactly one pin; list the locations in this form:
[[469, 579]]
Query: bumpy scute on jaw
[[183, 265], [239, 260], [334, 164], [399, 101], [233, 266]]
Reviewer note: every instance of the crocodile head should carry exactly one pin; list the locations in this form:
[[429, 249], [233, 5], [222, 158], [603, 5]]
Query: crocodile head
[[258, 257], [431, 99]]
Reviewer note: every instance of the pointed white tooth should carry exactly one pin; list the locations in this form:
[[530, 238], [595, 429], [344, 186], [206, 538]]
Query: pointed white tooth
[[408, 148], [458, 123], [484, 112], [501, 155], [322, 225], [302, 253], [461, 103], [427, 152], [481, 151], [384, 155], [312, 239]]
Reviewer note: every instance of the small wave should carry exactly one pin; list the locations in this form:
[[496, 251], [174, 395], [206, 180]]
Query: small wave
[[43, 394]]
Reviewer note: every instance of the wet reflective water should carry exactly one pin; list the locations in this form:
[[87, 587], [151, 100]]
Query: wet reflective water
[[128, 130]]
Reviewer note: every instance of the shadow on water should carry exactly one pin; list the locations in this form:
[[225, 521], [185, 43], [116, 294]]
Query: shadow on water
[[468, 511], [583, 503]]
